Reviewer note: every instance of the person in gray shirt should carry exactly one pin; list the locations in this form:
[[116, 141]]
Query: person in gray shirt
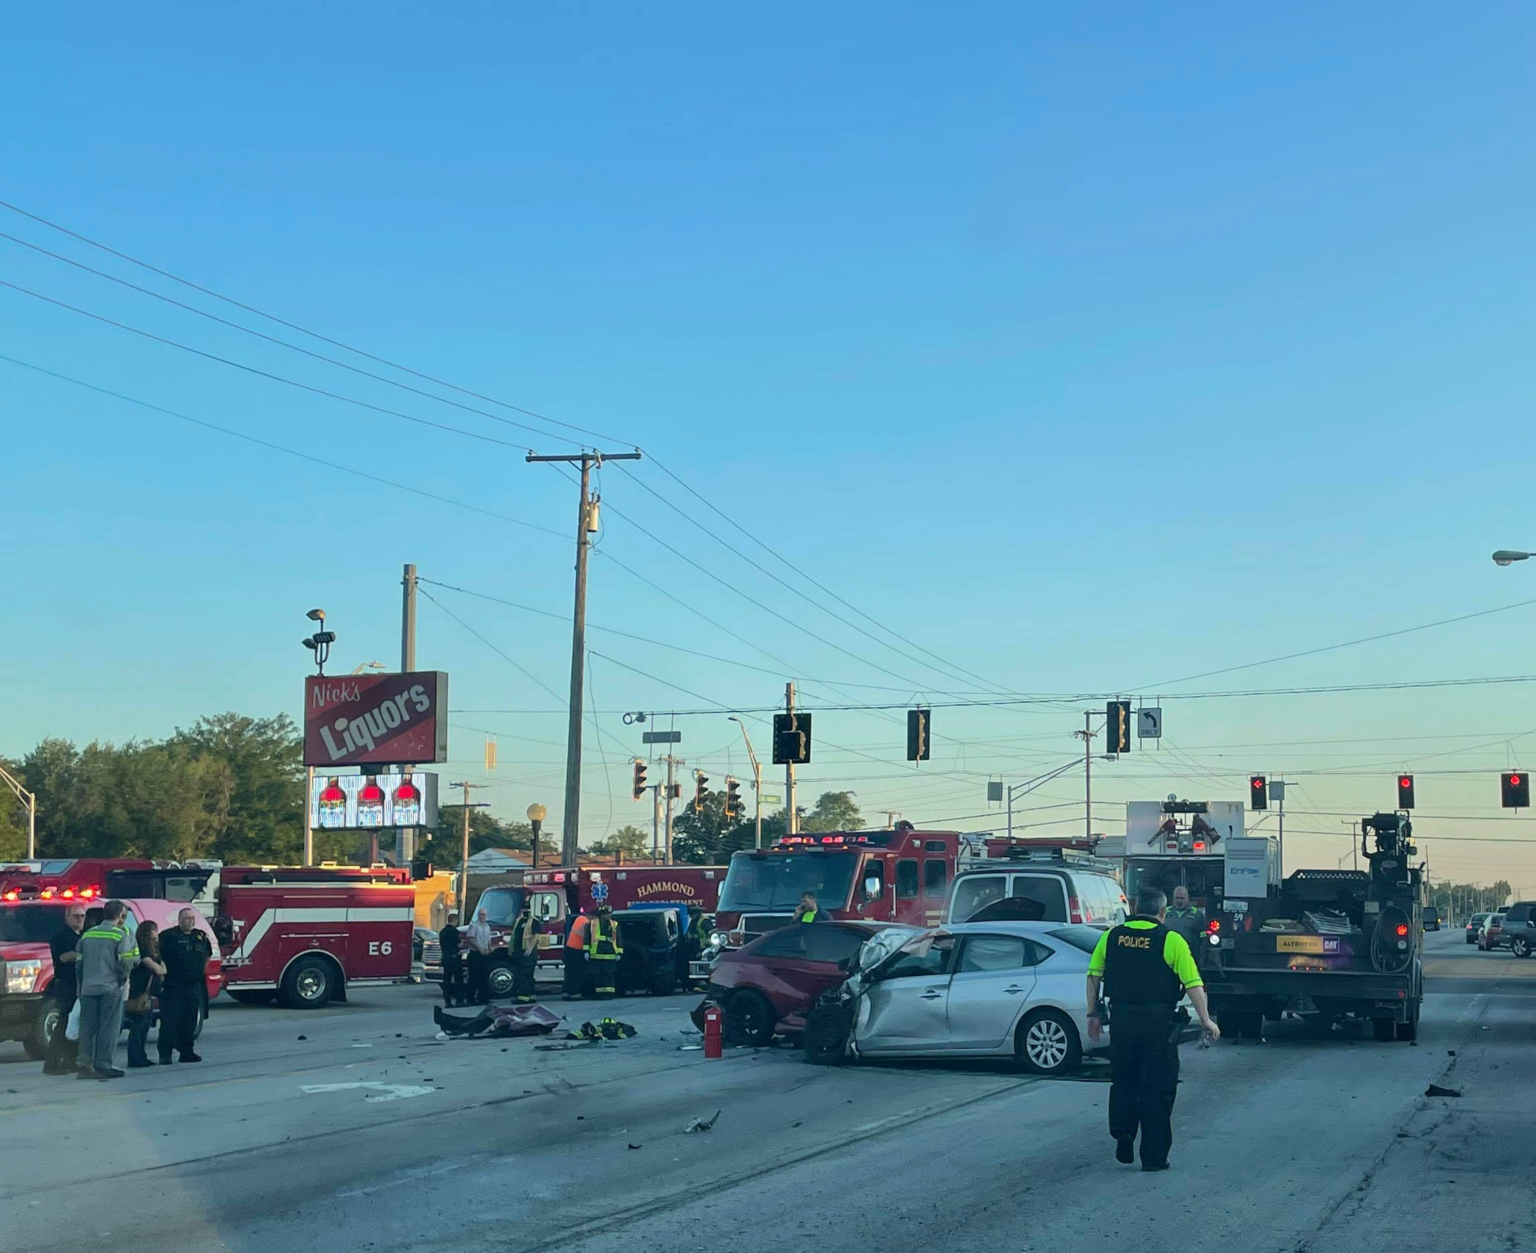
[[107, 953], [1184, 918]]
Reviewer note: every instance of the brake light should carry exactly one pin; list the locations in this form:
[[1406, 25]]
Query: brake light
[[1199, 846], [1214, 925], [1074, 914], [1402, 928]]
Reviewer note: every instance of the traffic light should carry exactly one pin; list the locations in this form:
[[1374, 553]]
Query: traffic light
[[791, 739], [1117, 737], [1405, 791], [700, 790], [732, 799], [1516, 788], [638, 788], [677, 791], [1258, 792], [919, 734]]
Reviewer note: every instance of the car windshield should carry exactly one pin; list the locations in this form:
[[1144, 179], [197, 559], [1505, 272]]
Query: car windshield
[[33, 925], [1085, 938], [501, 905], [777, 881]]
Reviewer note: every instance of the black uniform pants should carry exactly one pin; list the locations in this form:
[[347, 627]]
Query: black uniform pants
[[180, 1005], [604, 973], [523, 965], [60, 1057], [453, 980], [1144, 1070], [575, 972], [479, 978]]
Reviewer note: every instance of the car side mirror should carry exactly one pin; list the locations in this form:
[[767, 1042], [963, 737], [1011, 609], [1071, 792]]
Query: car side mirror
[[872, 888]]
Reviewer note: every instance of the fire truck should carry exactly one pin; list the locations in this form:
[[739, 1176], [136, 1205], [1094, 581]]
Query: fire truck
[[556, 895], [63, 878], [306, 934], [900, 875]]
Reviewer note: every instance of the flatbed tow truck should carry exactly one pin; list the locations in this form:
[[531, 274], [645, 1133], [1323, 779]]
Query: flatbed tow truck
[[1334, 945]]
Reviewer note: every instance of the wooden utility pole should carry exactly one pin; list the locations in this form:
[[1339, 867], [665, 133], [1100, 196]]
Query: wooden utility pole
[[586, 524]]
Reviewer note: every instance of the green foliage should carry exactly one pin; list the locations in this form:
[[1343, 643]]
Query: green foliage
[[265, 818], [443, 847], [629, 840], [707, 839], [13, 815], [835, 811]]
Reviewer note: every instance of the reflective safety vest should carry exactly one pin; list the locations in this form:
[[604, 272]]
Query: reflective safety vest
[[1136, 969], [808, 915], [579, 930], [604, 942], [524, 935]]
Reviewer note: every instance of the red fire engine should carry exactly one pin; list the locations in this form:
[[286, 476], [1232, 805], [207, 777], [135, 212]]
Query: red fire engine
[[901, 875], [555, 896], [63, 878], [307, 933]]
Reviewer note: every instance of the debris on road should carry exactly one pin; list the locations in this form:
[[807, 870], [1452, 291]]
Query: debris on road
[[607, 1029], [1435, 1089], [634, 1146], [496, 1022], [699, 1124]]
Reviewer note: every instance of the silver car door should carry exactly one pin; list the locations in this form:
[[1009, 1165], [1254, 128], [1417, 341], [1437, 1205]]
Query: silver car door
[[990, 984], [903, 1010]]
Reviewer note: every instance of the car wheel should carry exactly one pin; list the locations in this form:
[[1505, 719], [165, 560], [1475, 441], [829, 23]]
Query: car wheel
[[664, 984], [825, 1038], [1520, 946], [1383, 1030], [1409, 1030], [309, 983], [252, 996], [48, 1021], [202, 1017], [1047, 1043], [749, 1019], [499, 979]]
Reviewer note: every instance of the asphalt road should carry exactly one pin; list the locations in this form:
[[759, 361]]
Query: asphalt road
[[353, 1128]]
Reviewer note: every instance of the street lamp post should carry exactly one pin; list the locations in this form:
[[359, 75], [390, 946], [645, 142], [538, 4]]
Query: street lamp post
[[757, 780], [320, 644], [536, 815], [29, 799], [1508, 556]]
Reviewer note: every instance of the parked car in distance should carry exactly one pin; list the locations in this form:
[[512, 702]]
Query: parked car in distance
[[1488, 938], [1519, 929], [982, 989], [1475, 926], [767, 987]]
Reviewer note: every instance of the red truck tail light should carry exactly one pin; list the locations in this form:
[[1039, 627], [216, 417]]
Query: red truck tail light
[[1214, 925], [1074, 913], [1402, 928]]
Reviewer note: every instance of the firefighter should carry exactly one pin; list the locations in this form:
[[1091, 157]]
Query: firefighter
[[524, 947], [1144, 967], [603, 953], [694, 940], [576, 957], [453, 964], [809, 911]]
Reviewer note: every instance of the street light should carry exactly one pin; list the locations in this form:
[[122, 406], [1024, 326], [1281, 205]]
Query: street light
[[536, 815], [29, 799], [1508, 556]]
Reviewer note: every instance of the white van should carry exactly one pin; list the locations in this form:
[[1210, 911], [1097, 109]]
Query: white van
[[1068, 894]]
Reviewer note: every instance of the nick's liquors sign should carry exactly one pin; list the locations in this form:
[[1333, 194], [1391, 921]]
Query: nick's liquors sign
[[376, 719]]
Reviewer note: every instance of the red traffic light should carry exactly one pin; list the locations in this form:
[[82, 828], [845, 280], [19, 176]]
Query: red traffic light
[[1514, 780], [1404, 781]]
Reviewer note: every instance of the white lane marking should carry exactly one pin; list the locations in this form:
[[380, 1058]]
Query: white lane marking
[[405, 1176], [385, 1091]]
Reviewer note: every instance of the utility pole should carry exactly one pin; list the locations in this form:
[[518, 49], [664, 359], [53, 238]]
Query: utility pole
[[408, 621], [464, 851], [791, 816], [672, 764], [757, 779], [890, 818], [655, 822], [29, 799], [586, 524], [1086, 735]]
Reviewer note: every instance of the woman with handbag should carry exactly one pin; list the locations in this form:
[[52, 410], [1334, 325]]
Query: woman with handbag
[[143, 984]]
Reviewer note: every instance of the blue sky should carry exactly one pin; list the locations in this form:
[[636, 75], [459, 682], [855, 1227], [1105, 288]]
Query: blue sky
[[1088, 350]]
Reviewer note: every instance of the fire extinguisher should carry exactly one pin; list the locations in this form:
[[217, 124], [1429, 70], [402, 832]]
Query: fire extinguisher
[[714, 1023]]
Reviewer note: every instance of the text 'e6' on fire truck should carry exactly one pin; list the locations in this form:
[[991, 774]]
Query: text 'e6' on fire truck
[[306, 934]]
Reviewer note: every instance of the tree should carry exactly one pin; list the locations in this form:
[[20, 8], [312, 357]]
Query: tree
[[629, 840], [13, 815], [265, 819], [708, 838], [835, 811], [444, 845]]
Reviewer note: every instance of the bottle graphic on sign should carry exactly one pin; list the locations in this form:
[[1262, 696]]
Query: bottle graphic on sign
[[331, 806], [407, 804], [370, 804]]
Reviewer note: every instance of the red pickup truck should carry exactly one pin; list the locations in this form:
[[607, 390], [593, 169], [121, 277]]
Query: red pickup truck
[[27, 1013]]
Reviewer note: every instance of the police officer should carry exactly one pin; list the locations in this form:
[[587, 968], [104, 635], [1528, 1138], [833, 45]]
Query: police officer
[[603, 953], [524, 948], [453, 963], [186, 952], [1184, 918], [1144, 967]]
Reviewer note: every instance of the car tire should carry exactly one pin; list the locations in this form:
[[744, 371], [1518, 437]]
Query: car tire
[[825, 1038], [1046, 1043], [1409, 1030], [664, 984], [310, 983], [1520, 946], [47, 1022], [202, 1017], [749, 1019], [499, 979], [1383, 1030], [253, 996]]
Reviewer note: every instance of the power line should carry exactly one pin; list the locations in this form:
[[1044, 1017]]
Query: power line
[[330, 466]]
